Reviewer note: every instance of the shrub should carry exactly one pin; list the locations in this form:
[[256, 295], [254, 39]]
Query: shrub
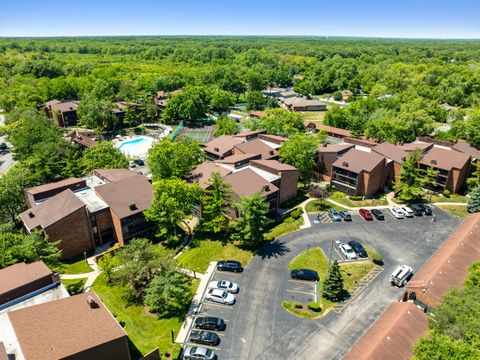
[[75, 287], [289, 220], [298, 305], [296, 214], [138, 130], [338, 194], [355, 197], [446, 193], [376, 258], [315, 307]]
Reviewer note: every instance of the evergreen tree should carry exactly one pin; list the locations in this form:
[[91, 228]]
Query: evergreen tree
[[333, 284], [252, 221], [215, 202], [473, 204]]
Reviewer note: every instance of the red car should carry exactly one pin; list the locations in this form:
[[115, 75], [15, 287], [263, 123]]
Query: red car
[[367, 215]]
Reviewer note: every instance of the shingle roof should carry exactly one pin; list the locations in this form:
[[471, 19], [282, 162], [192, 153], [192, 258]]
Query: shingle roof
[[297, 101], [334, 130], [333, 148], [257, 147], [391, 151], [65, 106], [448, 267], [112, 175], [357, 161], [20, 274], [51, 186], [247, 183], [274, 164], [466, 148], [445, 159], [223, 144], [64, 327], [203, 172], [273, 138], [51, 210], [416, 145], [233, 159], [120, 194], [393, 336]]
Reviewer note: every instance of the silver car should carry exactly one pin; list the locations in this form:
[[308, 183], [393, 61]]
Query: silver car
[[198, 353], [226, 285]]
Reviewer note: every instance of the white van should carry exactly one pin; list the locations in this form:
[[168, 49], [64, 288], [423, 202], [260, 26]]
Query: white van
[[401, 275]]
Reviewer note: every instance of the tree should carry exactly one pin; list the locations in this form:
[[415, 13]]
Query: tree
[[221, 100], [299, 151], [255, 101], [103, 156], [190, 104], [429, 179], [167, 294], [409, 186], [169, 158], [172, 203], [474, 180], [107, 264], [12, 200], [215, 204], [95, 113], [226, 126], [252, 221], [442, 347], [282, 122], [473, 204], [139, 263], [333, 284]]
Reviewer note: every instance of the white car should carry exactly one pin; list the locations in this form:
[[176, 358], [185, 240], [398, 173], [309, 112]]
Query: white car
[[348, 251], [220, 296], [226, 285], [397, 212], [408, 211], [401, 275]]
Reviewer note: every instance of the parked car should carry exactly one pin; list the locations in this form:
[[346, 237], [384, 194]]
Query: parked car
[[333, 214], [397, 212], [408, 212], [198, 353], [358, 248], [401, 275], [139, 162], [378, 214], [3, 146], [367, 215], [417, 209], [345, 215], [209, 323], [304, 274], [225, 285], [204, 337], [220, 296], [347, 251], [229, 265], [427, 210]]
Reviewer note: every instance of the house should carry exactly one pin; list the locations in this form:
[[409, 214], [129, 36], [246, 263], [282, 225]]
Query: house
[[256, 146], [257, 114], [273, 91], [325, 156], [393, 336], [346, 94], [464, 147], [452, 166], [297, 104], [448, 267], [359, 173], [330, 130], [162, 96], [64, 113], [395, 157], [77, 327], [81, 138], [221, 147]]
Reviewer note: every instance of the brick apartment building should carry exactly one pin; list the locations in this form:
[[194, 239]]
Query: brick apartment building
[[395, 156], [325, 156], [64, 113]]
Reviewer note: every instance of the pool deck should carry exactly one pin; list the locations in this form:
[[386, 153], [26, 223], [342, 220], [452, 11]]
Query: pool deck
[[139, 150]]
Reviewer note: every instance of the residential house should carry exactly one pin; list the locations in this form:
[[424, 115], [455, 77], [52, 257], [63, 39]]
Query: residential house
[[329, 130], [395, 156], [64, 113], [221, 147], [359, 173], [297, 104], [325, 156], [464, 147], [81, 138]]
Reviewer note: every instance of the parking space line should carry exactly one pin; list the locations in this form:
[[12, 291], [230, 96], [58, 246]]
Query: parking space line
[[203, 345], [229, 273], [301, 292], [339, 254], [301, 282], [219, 305]]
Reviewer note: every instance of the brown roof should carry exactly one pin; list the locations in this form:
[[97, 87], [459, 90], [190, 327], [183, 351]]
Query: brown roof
[[466, 148], [3, 352], [393, 336], [445, 159], [448, 267], [391, 151], [249, 133], [298, 101], [64, 327], [84, 140], [223, 144], [51, 210], [52, 186], [51, 102], [203, 172], [334, 130], [247, 183], [112, 175], [257, 147], [333, 148], [120, 194], [258, 114], [361, 141], [274, 164], [20, 274], [272, 138], [233, 159], [357, 161], [418, 145], [65, 106]]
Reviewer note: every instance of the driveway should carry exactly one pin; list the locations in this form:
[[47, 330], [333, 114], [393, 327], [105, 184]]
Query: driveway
[[6, 160], [259, 328]]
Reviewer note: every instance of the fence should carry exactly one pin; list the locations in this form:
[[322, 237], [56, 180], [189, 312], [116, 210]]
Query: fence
[[177, 130]]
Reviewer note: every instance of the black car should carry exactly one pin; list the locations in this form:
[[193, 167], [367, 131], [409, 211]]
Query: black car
[[358, 248], [417, 209], [378, 214], [139, 162], [3, 146], [204, 337], [427, 210], [229, 265], [304, 274], [209, 323], [345, 215]]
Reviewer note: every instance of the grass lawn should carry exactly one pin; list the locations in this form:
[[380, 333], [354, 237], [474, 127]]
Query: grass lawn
[[284, 228], [74, 286], [304, 311], [452, 198], [203, 251], [146, 331], [76, 266], [344, 200], [352, 273], [316, 206], [314, 116], [458, 210]]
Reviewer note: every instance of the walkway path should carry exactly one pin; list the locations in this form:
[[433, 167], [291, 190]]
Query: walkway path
[[90, 276]]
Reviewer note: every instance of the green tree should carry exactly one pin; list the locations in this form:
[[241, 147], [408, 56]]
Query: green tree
[[226, 126], [221, 100], [255, 101], [429, 179], [172, 204], [168, 158], [441, 347], [103, 156], [409, 186], [333, 284], [474, 180], [167, 294], [282, 122], [299, 151], [190, 104], [216, 201], [107, 264], [95, 113], [12, 200], [473, 204], [249, 227]]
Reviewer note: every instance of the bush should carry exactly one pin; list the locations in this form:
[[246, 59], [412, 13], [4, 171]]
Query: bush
[[338, 194], [446, 193], [75, 287], [296, 214], [138, 130], [376, 258], [298, 305], [355, 197], [289, 220], [315, 307]]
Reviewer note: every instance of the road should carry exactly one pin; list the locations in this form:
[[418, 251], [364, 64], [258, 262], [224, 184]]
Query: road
[[6, 160]]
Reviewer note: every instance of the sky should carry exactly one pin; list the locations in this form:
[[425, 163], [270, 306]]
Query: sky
[[363, 18]]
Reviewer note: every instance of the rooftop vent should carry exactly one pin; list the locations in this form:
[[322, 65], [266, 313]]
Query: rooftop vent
[[266, 188], [272, 152], [216, 149], [132, 205], [30, 214], [71, 108], [404, 158], [345, 163], [91, 301], [434, 161]]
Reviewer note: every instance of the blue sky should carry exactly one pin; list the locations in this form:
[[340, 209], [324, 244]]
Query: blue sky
[[386, 18]]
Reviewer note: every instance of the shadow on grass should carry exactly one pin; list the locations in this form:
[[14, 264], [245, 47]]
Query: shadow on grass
[[273, 249], [135, 354]]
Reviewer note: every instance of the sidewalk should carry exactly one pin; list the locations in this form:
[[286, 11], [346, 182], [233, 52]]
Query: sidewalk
[[91, 276]]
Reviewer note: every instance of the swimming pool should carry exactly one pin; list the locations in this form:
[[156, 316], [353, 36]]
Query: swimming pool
[[137, 147]]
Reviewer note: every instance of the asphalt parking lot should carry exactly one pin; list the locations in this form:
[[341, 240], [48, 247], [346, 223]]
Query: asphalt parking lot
[[258, 327]]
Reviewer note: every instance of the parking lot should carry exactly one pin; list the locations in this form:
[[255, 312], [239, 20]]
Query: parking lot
[[259, 328]]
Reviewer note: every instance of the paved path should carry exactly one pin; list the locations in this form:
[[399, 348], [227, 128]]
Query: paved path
[[90, 276]]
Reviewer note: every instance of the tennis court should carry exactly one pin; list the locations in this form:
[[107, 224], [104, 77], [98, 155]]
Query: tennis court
[[201, 134]]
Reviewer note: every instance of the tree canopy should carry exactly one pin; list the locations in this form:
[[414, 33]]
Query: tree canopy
[[249, 227], [103, 156]]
